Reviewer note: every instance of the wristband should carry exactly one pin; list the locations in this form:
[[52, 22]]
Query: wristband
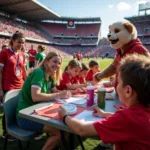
[[64, 117]]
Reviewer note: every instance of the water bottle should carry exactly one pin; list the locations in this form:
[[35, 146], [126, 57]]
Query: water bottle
[[90, 95], [101, 97]]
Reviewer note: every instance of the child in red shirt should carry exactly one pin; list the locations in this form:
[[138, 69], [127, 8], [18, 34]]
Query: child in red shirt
[[69, 78], [129, 128], [82, 74], [94, 68]]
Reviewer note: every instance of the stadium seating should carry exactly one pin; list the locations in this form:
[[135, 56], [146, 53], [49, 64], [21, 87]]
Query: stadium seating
[[80, 30]]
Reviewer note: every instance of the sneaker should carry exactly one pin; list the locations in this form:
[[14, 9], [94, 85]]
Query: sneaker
[[4, 135], [39, 137], [109, 145], [11, 138]]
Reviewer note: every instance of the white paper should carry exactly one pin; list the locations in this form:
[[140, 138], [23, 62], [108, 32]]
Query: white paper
[[75, 100], [86, 116]]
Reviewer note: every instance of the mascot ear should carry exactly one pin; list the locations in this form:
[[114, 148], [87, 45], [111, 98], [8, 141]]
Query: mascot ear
[[129, 26]]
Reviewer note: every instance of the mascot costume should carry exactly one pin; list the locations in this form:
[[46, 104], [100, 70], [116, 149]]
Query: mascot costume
[[122, 37]]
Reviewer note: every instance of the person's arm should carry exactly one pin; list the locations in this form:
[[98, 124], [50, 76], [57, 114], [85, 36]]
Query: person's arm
[[37, 60], [107, 72], [38, 96], [24, 71], [82, 129], [100, 113], [75, 86], [36, 63]]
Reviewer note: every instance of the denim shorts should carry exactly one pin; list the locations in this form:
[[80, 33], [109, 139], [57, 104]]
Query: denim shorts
[[30, 125]]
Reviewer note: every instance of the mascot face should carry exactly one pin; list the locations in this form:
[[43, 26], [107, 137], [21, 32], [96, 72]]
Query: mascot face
[[121, 33]]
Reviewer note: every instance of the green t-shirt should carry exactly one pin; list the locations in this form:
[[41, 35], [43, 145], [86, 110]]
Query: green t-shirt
[[36, 78], [40, 56]]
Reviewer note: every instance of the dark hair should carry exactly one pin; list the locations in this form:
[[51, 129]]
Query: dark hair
[[73, 64], [84, 67], [93, 63], [16, 36], [135, 71], [4, 46], [42, 48]]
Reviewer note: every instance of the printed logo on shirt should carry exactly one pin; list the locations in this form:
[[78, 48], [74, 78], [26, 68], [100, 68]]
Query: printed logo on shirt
[[21, 58], [11, 57]]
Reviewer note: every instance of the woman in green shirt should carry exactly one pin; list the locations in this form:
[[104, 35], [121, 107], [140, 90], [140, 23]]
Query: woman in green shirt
[[40, 56], [40, 87]]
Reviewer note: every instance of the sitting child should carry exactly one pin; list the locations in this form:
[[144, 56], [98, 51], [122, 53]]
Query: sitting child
[[94, 68], [69, 78], [128, 129], [82, 74]]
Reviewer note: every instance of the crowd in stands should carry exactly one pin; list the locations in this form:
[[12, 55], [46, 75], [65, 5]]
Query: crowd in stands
[[68, 51], [79, 30], [145, 40], [103, 41], [143, 27], [10, 26], [75, 41]]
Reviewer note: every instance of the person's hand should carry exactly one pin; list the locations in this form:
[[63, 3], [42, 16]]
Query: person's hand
[[107, 84], [98, 112], [62, 111], [96, 77], [112, 79], [64, 94], [1, 95]]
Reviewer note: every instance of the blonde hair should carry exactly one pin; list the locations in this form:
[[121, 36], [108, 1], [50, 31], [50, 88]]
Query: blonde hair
[[56, 76]]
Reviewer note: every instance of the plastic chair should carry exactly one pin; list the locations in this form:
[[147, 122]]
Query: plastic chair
[[10, 103]]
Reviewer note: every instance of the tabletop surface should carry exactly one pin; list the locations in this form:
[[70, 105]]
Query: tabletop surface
[[28, 113]]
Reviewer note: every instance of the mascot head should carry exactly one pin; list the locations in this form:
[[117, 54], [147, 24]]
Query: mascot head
[[121, 33]]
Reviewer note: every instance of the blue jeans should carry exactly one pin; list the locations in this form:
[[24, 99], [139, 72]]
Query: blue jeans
[[30, 125]]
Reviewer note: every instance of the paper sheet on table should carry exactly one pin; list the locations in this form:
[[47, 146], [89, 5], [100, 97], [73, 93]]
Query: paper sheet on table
[[86, 116], [75, 100]]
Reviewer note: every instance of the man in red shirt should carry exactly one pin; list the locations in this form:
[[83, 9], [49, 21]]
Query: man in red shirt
[[129, 128], [32, 54]]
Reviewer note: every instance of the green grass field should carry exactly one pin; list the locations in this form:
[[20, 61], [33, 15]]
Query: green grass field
[[89, 144]]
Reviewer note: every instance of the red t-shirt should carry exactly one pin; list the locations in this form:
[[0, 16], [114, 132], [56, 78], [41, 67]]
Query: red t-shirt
[[89, 76], [80, 80], [65, 80], [128, 129], [32, 54], [135, 46], [8, 60]]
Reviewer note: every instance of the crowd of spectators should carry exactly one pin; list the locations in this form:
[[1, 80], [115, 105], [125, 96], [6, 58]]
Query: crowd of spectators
[[10, 26], [143, 27], [75, 41], [145, 40], [68, 51], [79, 30], [103, 41]]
